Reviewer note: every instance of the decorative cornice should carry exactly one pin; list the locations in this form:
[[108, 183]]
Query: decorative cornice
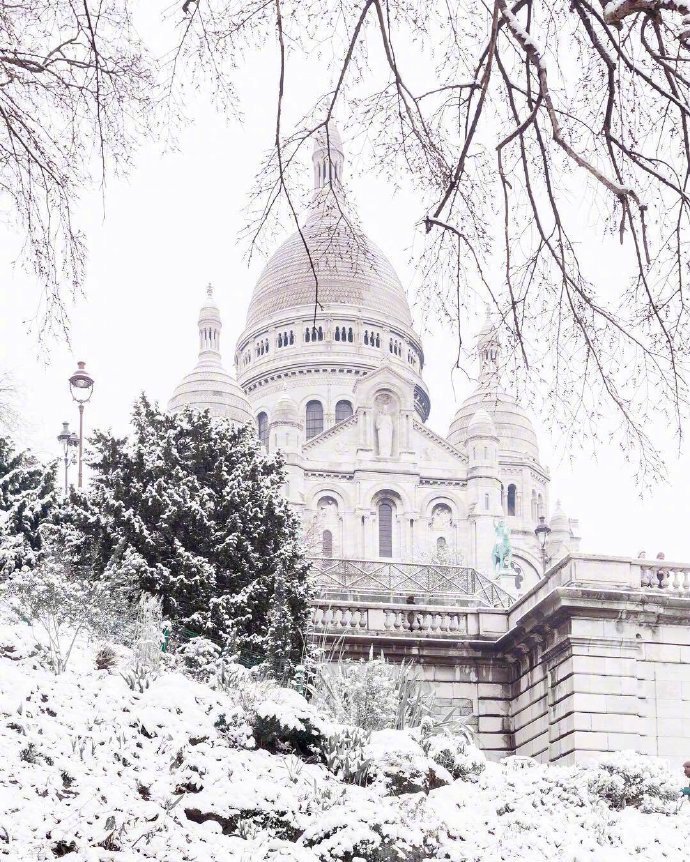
[[328, 474]]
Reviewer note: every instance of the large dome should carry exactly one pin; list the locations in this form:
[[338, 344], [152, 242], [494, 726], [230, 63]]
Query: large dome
[[351, 271]]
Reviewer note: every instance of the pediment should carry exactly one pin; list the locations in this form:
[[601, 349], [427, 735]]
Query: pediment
[[432, 448], [338, 440]]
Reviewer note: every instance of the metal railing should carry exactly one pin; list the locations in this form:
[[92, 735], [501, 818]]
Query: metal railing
[[424, 580]]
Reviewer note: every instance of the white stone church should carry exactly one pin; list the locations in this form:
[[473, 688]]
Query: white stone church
[[338, 387], [592, 655]]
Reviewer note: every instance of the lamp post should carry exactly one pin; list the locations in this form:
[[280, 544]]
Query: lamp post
[[542, 531], [69, 440], [81, 387]]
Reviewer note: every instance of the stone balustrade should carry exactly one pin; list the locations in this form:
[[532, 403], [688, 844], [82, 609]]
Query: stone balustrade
[[420, 621], [674, 577]]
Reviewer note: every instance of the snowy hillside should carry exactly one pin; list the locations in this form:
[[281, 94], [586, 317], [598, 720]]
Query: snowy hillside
[[93, 770]]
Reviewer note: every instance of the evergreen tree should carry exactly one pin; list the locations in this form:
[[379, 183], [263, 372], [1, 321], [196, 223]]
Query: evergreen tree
[[194, 509], [28, 497]]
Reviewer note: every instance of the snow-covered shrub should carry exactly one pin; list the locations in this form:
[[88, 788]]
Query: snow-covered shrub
[[286, 722], [456, 753], [631, 779], [62, 604], [235, 726], [344, 754], [149, 632], [106, 658], [398, 764], [372, 694], [200, 657], [366, 832]]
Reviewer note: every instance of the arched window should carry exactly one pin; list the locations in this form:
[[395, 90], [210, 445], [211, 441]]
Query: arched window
[[327, 544], [366, 337], [535, 511], [540, 506], [337, 334], [441, 545], [314, 418], [378, 341], [262, 428], [385, 528], [343, 411], [307, 334], [349, 334], [486, 502], [512, 495], [280, 339]]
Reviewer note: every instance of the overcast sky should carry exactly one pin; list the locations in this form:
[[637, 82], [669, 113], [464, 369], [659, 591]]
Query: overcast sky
[[170, 228]]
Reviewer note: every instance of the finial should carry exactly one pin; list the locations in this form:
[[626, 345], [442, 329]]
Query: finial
[[328, 156]]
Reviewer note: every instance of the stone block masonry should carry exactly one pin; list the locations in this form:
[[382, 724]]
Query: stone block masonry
[[587, 662]]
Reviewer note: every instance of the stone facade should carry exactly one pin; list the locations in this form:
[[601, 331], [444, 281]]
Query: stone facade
[[402, 521], [330, 370], [590, 660]]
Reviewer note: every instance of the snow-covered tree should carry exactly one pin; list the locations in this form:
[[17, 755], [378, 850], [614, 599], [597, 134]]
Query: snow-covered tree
[[194, 510], [28, 497]]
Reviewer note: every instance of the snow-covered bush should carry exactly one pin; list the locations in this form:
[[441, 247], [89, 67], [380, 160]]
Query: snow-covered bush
[[286, 722], [200, 658], [631, 779], [235, 725], [372, 694], [106, 658], [398, 764], [344, 754], [456, 753], [367, 832], [61, 605]]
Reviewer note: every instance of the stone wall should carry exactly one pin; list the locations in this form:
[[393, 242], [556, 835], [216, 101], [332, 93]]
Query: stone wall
[[587, 662]]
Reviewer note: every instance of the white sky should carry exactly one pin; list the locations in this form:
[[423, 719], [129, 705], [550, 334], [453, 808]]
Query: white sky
[[171, 227]]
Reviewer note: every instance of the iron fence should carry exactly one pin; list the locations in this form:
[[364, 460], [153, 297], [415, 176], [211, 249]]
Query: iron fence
[[418, 579]]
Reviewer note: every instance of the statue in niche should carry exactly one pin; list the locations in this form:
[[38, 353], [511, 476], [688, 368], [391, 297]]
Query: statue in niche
[[441, 516], [384, 426]]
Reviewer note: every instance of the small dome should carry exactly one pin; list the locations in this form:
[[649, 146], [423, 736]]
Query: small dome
[[210, 387], [285, 411], [512, 424], [481, 425]]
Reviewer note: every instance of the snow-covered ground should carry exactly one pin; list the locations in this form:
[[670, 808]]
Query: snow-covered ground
[[92, 770]]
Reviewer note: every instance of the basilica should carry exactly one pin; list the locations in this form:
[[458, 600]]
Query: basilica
[[330, 371]]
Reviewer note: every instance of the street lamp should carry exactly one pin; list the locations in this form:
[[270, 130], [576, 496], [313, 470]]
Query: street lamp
[[81, 387], [542, 531], [69, 440]]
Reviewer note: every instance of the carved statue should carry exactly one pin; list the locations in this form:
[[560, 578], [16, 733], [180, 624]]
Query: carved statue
[[441, 516], [502, 553], [384, 429]]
